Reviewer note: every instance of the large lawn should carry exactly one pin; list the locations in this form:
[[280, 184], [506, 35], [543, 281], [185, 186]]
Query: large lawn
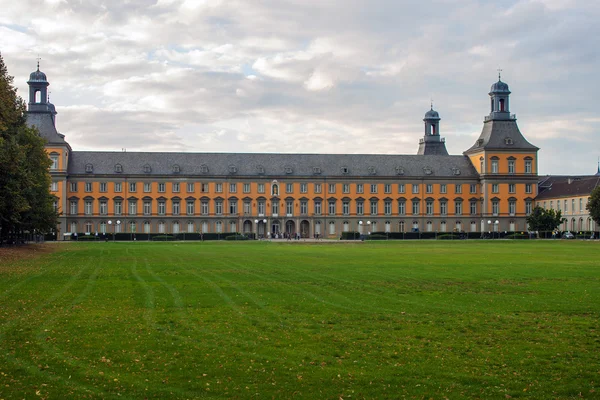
[[489, 320]]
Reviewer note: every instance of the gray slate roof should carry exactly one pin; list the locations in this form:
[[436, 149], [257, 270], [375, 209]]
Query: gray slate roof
[[44, 121], [494, 135], [247, 164], [567, 186]]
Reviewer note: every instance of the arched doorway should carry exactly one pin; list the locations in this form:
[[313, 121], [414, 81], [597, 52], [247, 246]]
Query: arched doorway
[[247, 226], [304, 228], [290, 227], [275, 227]]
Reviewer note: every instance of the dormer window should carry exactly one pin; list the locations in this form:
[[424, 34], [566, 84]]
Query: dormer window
[[317, 170], [118, 168], [260, 169], [427, 170], [399, 170], [232, 169], [345, 170], [372, 170], [176, 169], [288, 169], [147, 169], [479, 142], [89, 168], [456, 171], [508, 141]]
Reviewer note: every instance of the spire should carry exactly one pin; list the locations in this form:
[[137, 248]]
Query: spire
[[432, 142], [598, 173]]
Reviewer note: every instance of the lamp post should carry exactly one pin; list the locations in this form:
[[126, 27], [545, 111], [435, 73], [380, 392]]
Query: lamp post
[[369, 228], [489, 227], [256, 224], [360, 223], [109, 224], [496, 222]]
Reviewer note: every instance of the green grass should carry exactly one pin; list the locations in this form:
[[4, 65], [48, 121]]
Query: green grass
[[469, 319]]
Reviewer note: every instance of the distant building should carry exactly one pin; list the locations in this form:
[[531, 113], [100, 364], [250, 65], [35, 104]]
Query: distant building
[[569, 195], [491, 186]]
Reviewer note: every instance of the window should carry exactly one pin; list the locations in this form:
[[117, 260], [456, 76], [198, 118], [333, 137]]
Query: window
[[175, 225], [87, 207], [415, 207], [429, 207], [580, 205], [55, 205], [401, 226], [247, 208], [374, 209], [387, 188], [473, 188], [317, 207], [331, 188], [346, 207], [190, 227], [175, 186], [102, 227], [473, 207], [103, 207], [218, 188], [232, 226], [161, 227], [303, 207], [481, 165], [175, 207], [118, 168], [359, 188], [443, 208], [147, 207], [512, 188], [88, 227], [88, 187], [246, 188], [118, 207], [289, 188], [233, 207], [458, 188], [147, 187], [360, 208], [566, 208], [528, 188], [332, 228], [346, 188], [275, 208], [161, 207], [146, 226], [189, 207], [261, 188], [161, 188], [495, 207], [204, 207], [204, 187], [261, 208], [373, 188], [118, 187], [103, 187], [511, 166], [443, 188], [132, 207], [54, 186], [528, 207], [132, 187], [512, 207], [387, 207], [429, 188], [54, 159], [218, 207], [573, 206], [401, 188], [494, 166], [458, 208], [528, 168], [289, 208], [317, 188], [73, 186], [495, 188], [233, 188], [402, 207], [190, 187], [415, 188], [331, 209]]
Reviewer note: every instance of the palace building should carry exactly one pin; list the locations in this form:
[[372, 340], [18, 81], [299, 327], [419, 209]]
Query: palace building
[[491, 186]]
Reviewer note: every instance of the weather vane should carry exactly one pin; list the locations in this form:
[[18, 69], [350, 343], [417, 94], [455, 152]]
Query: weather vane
[[38, 61], [499, 73]]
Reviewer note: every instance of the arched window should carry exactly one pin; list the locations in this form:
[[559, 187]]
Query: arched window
[[429, 226], [161, 227], [346, 226], [146, 226], [332, 228], [443, 226], [388, 226], [219, 227]]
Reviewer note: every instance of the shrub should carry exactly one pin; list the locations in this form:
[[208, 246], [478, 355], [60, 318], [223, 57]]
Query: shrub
[[236, 237]]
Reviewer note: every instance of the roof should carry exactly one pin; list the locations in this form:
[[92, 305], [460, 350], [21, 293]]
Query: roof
[[44, 122], [501, 135], [273, 165], [567, 186]]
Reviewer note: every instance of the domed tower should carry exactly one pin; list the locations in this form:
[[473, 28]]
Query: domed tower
[[432, 142], [38, 90]]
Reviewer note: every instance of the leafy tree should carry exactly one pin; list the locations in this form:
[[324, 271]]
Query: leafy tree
[[544, 220], [593, 205], [25, 200]]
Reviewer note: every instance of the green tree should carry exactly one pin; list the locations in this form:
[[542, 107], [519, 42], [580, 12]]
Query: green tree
[[593, 205], [26, 204], [544, 220]]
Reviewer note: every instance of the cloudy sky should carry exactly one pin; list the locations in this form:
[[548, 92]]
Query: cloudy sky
[[338, 76]]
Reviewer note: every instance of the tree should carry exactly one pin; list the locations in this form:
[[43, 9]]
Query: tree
[[593, 205], [26, 204], [544, 220]]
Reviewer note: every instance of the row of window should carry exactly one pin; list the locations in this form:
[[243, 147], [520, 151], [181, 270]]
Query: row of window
[[288, 207], [176, 227], [176, 187], [563, 206], [511, 165]]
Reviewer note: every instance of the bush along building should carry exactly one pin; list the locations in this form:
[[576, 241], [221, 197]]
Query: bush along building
[[490, 187]]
